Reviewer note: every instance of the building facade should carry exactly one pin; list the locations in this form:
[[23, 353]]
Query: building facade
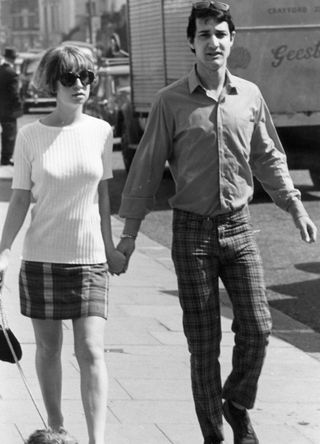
[[39, 24]]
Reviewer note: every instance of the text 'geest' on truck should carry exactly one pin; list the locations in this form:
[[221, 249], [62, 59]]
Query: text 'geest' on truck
[[277, 46]]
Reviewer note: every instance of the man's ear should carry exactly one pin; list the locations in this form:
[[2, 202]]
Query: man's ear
[[191, 45], [232, 37]]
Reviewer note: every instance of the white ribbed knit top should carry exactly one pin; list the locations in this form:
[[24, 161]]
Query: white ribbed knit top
[[63, 167]]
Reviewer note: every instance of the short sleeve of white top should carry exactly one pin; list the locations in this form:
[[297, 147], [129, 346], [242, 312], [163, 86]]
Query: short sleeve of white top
[[62, 167]]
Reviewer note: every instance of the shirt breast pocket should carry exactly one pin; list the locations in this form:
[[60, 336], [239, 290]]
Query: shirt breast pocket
[[244, 127]]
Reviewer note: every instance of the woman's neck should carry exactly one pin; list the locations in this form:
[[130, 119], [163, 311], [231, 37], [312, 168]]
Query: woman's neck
[[63, 117]]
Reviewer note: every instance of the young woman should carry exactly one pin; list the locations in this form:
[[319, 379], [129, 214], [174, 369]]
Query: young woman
[[63, 162]]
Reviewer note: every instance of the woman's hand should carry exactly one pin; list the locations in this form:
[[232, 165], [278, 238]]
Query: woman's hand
[[116, 262], [127, 247], [4, 262], [4, 259]]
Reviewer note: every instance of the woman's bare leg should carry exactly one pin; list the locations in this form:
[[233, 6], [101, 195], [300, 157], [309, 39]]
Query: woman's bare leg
[[48, 335], [89, 349]]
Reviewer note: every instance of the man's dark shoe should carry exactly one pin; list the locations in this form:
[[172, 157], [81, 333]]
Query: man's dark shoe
[[240, 423], [210, 440], [7, 162]]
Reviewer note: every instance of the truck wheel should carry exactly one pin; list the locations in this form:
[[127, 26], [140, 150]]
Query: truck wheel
[[315, 177]]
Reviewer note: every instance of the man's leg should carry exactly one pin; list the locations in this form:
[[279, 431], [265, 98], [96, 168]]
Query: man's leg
[[8, 138], [242, 275], [198, 291]]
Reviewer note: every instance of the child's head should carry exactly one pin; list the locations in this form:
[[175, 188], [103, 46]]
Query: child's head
[[47, 436]]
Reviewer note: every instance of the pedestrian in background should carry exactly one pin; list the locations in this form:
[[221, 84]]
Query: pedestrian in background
[[215, 131], [63, 161], [115, 50], [10, 105]]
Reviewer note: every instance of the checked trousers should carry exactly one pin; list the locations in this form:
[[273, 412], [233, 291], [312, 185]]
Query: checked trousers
[[204, 249]]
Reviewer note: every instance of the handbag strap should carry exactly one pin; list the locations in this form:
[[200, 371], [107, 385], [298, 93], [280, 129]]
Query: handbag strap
[[5, 325], [3, 315]]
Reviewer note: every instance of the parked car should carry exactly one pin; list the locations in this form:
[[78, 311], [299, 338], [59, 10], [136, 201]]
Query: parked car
[[31, 98], [111, 101]]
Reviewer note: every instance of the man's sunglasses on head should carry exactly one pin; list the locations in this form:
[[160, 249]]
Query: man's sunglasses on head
[[69, 78], [211, 4]]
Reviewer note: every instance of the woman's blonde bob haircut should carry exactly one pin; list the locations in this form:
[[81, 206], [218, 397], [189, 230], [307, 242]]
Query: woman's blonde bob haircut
[[57, 61]]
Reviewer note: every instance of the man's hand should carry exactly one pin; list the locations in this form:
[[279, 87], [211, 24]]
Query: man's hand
[[126, 246], [116, 262], [307, 228]]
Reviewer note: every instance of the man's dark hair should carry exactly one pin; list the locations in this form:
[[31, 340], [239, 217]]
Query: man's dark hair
[[203, 13]]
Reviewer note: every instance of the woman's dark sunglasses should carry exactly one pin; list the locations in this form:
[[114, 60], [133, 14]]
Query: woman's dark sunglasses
[[211, 3], [69, 78]]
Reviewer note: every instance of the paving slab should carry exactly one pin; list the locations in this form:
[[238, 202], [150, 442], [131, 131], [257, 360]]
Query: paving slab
[[150, 398]]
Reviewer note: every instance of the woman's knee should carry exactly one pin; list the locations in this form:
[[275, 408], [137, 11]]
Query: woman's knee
[[49, 337], [89, 340], [48, 350], [89, 352]]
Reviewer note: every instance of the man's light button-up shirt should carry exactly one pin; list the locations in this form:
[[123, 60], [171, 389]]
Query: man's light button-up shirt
[[213, 148]]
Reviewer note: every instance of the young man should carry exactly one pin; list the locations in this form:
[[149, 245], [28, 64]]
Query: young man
[[215, 130]]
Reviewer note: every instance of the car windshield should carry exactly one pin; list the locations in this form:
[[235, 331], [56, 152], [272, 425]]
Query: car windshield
[[29, 66], [121, 81], [110, 85]]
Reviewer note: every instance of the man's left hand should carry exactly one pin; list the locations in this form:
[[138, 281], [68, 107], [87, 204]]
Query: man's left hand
[[307, 228]]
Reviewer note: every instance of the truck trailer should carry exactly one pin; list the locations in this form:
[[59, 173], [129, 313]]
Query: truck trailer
[[277, 46]]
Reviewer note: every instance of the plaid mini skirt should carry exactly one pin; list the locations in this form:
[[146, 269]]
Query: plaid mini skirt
[[63, 291]]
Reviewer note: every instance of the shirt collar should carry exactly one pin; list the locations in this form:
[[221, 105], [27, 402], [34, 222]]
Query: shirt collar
[[194, 81]]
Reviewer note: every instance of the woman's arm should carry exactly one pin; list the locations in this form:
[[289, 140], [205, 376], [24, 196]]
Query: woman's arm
[[16, 214], [116, 260]]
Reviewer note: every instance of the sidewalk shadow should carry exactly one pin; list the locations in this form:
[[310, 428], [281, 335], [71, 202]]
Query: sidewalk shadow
[[303, 333]]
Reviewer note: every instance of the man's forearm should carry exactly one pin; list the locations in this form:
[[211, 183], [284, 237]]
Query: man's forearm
[[132, 226], [297, 210]]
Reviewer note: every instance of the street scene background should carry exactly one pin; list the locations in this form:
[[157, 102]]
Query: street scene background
[[150, 393]]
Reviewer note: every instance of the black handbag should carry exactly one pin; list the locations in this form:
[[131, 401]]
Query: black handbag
[[10, 348]]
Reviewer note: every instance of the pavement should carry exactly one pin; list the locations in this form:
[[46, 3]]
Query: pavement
[[150, 398]]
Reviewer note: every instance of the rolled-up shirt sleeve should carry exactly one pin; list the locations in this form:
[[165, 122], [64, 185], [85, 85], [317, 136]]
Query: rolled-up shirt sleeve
[[148, 163], [269, 161]]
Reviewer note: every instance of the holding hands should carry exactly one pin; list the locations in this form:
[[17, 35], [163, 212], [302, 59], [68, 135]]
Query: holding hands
[[126, 246], [118, 258], [116, 262]]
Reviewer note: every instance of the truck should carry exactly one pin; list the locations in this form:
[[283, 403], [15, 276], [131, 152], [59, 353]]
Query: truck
[[277, 46]]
